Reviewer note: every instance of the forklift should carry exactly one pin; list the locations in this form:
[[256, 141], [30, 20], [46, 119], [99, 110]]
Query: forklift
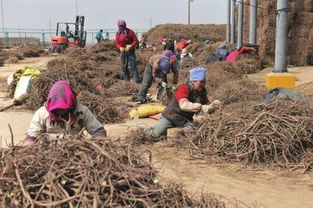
[[65, 37]]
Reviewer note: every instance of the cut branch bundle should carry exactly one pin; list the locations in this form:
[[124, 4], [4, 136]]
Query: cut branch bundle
[[81, 172], [279, 132]]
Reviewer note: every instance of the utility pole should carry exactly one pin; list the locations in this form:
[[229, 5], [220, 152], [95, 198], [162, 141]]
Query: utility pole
[[281, 36], [233, 22], [253, 16], [228, 20], [240, 24], [189, 12], [2, 15]]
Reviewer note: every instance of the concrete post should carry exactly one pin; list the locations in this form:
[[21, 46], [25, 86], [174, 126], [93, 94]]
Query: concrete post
[[240, 24], [233, 22], [43, 38], [228, 20], [253, 17], [281, 36]]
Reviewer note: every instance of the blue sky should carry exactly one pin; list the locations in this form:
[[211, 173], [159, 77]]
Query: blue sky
[[104, 13]]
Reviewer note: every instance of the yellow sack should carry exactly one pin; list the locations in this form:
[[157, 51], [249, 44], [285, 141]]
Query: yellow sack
[[147, 110], [29, 71]]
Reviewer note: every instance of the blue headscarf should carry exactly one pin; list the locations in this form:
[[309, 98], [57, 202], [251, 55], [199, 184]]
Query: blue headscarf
[[197, 74]]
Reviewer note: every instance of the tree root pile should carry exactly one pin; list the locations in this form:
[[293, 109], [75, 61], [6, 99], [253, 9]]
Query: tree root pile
[[140, 136], [30, 50], [81, 172], [275, 133], [98, 82], [103, 108], [308, 161], [178, 31]]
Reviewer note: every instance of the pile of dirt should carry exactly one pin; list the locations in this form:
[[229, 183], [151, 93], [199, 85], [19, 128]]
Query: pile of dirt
[[275, 133], [81, 172], [193, 32], [300, 36]]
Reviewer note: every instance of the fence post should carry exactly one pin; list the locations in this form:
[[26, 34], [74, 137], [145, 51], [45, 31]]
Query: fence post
[[43, 37], [7, 39]]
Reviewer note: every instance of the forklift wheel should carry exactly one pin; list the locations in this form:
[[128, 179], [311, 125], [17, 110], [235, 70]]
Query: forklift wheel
[[61, 48]]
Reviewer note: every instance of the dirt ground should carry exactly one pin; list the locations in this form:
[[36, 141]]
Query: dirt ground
[[280, 189]]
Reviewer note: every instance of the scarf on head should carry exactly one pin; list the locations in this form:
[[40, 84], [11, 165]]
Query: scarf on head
[[62, 97], [121, 22]]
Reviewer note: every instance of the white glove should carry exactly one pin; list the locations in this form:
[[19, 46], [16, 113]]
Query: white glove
[[128, 47], [216, 104], [164, 85], [122, 49]]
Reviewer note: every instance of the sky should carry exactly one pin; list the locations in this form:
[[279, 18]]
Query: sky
[[103, 14]]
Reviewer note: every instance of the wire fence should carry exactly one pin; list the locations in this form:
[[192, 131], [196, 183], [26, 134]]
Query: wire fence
[[10, 37]]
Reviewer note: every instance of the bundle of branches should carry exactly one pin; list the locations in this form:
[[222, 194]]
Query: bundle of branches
[[140, 136], [81, 172], [9, 57], [278, 132], [30, 50], [60, 69], [308, 161], [95, 87], [122, 88], [194, 32], [101, 106], [238, 91]]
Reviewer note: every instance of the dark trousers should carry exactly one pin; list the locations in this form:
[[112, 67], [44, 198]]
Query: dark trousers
[[147, 82], [129, 59]]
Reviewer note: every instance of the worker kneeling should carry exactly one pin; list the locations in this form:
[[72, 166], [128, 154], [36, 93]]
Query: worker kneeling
[[190, 98], [62, 114]]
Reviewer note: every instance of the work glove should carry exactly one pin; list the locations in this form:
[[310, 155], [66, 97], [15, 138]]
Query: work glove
[[128, 47], [174, 87], [122, 49], [164, 85], [216, 104]]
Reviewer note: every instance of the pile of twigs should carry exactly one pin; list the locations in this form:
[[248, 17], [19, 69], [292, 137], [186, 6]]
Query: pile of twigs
[[308, 161], [103, 108], [81, 172], [279, 132]]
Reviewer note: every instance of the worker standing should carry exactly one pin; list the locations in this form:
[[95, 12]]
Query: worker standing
[[126, 41], [99, 36]]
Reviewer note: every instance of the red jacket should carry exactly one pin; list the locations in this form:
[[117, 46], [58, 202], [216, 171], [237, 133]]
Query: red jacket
[[182, 44], [126, 38]]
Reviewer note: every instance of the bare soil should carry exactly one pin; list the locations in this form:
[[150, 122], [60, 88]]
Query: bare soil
[[252, 186]]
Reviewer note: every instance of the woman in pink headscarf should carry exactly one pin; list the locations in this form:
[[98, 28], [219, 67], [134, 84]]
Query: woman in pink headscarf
[[62, 114]]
